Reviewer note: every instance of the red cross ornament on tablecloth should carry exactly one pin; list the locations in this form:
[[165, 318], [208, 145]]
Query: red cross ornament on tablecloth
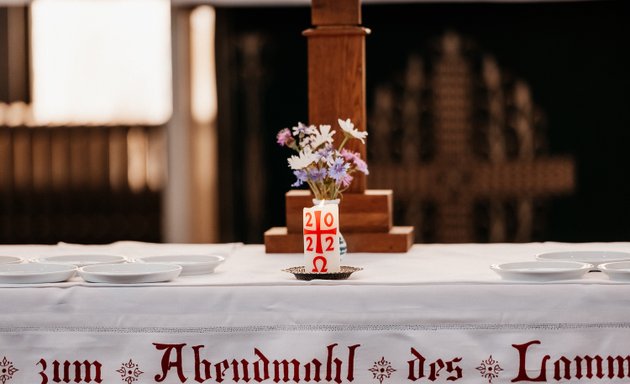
[[321, 239]]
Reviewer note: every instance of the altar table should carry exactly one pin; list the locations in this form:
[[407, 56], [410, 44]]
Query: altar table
[[436, 314]]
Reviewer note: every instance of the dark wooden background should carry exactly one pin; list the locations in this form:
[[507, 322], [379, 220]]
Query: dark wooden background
[[573, 55]]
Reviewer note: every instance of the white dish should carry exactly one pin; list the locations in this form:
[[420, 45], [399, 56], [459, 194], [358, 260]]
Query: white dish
[[81, 260], [619, 270], [541, 270], [129, 273], [35, 273], [10, 260], [191, 264], [590, 257]]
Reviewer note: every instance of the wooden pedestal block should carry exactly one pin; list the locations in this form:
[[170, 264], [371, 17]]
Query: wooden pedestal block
[[397, 239], [365, 220], [370, 211]]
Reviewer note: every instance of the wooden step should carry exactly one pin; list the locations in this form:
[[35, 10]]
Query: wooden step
[[397, 239]]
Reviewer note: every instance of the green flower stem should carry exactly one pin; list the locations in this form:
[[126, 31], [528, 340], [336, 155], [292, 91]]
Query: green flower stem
[[343, 142], [333, 191], [316, 191]]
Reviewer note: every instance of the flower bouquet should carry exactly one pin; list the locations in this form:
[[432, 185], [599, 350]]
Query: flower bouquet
[[325, 169]]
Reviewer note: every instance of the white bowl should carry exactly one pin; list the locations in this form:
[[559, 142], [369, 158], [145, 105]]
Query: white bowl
[[81, 260], [191, 264], [590, 257], [537, 271], [10, 259], [129, 273], [35, 273], [618, 270]]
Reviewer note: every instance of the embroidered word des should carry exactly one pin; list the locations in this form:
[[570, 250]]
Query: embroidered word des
[[321, 239]]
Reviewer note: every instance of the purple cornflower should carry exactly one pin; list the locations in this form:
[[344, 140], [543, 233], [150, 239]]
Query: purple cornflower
[[338, 169], [325, 154], [317, 174], [284, 137], [301, 176]]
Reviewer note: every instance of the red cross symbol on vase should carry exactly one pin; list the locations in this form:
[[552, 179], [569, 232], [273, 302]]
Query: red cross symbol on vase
[[318, 231]]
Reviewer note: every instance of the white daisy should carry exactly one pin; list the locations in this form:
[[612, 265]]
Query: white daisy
[[348, 130], [322, 136], [305, 158]]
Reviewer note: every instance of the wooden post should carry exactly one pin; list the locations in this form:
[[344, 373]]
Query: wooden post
[[336, 89], [336, 70]]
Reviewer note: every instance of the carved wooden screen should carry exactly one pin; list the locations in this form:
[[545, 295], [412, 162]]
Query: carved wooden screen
[[463, 145]]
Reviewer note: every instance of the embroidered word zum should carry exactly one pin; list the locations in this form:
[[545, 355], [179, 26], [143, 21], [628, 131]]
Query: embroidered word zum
[[71, 371]]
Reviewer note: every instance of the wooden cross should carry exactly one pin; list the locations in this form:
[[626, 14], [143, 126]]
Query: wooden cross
[[336, 89]]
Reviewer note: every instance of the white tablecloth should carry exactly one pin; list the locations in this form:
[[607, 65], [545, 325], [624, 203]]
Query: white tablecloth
[[433, 314]]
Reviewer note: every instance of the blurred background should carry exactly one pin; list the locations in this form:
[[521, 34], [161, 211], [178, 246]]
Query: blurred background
[[155, 120]]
